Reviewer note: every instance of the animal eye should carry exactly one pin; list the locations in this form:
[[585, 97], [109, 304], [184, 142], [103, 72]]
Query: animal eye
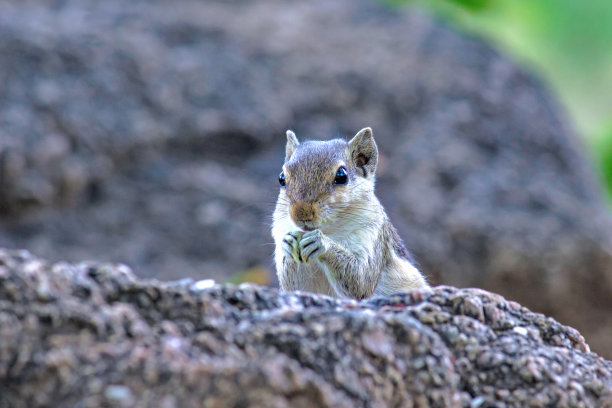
[[281, 179], [341, 176]]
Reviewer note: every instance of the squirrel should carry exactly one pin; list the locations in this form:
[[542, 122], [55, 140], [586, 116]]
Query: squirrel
[[331, 233]]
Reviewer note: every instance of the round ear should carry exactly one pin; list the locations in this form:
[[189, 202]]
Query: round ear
[[292, 144], [363, 152]]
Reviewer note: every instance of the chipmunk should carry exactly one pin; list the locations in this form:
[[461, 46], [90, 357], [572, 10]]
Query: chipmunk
[[331, 233]]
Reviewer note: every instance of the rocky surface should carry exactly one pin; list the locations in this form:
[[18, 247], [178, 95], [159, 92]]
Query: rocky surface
[[94, 335], [151, 133]]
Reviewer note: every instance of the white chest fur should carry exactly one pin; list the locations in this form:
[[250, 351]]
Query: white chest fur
[[357, 233]]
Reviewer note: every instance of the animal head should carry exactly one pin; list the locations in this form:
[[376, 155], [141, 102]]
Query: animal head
[[321, 180]]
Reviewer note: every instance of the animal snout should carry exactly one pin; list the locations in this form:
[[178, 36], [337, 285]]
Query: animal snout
[[303, 212]]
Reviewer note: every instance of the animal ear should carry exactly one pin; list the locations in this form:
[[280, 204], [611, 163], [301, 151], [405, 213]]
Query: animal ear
[[292, 144], [363, 152]]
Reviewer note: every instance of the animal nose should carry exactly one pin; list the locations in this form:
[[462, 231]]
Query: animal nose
[[303, 212]]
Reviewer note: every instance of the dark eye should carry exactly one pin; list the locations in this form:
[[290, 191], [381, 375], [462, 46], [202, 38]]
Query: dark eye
[[281, 179], [341, 176]]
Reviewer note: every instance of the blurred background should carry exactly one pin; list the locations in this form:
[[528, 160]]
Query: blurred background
[[152, 134], [568, 44]]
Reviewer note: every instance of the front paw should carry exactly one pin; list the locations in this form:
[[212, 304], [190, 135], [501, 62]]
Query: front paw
[[291, 245], [311, 245]]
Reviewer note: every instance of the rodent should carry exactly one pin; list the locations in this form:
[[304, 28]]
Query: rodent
[[331, 233]]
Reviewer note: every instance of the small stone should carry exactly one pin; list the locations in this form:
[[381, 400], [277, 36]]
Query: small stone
[[377, 343], [118, 393]]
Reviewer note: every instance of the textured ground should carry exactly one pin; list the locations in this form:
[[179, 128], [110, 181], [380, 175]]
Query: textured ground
[[151, 133], [94, 335]]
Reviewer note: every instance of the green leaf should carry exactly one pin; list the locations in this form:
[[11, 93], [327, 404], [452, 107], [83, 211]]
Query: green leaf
[[473, 5]]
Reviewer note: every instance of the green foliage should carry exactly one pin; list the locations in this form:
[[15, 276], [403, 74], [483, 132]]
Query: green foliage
[[474, 5], [602, 149], [568, 43]]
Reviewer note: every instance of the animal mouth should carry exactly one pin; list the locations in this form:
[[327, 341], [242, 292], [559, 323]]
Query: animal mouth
[[307, 228]]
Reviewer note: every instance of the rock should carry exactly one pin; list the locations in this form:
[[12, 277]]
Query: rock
[[160, 127], [103, 337]]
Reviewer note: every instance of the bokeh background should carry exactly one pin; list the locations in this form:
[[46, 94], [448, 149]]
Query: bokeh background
[[152, 134], [568, 44]]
